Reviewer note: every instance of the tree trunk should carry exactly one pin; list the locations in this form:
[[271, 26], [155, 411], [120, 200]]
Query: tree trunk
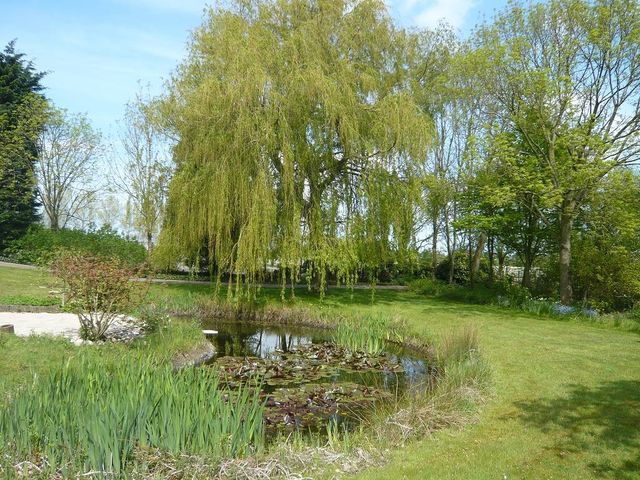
[[434, 248], [477, 256], [502, 256], [566, 225], [526, 273], [490, 253], [149, 243], [452, 267], [54, 221]]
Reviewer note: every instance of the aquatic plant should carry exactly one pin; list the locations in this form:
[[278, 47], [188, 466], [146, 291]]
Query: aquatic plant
[[85, 417], [463, 381], [367, 333]]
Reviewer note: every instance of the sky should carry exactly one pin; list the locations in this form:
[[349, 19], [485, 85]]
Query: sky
[[98, 52]]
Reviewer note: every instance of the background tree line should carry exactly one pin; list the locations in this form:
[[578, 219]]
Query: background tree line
[[57, 172], [349, 155]]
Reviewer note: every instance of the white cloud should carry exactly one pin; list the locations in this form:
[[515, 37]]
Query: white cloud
[[430, 13]]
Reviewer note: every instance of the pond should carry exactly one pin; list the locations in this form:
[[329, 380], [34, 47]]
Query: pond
[[307, 380]]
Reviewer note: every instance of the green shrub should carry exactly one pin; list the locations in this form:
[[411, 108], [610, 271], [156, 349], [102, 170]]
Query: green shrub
[[40, 245], [153, 318], [98, 290], [427, 286], [479, 294], [512, 294], [606, 277], [461, 273]]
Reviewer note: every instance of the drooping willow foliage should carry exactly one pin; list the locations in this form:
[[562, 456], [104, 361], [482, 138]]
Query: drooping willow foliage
[[299, 141]]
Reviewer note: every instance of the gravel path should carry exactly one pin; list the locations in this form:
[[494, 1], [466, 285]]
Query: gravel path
[[62, 324], [24, 324]]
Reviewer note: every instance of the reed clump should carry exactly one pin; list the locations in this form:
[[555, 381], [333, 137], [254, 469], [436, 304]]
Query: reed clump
[[457, 345], [83, 417], [461, 384], [213, 309], [367, 334]]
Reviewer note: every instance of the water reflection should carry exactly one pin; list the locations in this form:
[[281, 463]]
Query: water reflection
[[245, 341], [242, 340]]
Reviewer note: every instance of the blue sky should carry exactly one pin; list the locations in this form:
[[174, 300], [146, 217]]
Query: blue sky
[[96, 51]]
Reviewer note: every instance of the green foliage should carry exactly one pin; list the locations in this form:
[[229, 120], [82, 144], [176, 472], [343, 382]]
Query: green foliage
[[40, 245], [516, 295], [479, 293], [427, 286], [153, 317], [561, 73], [606, 276], [22, 114], [89, 415], [461, 272], [298, 128], [145, 175], [606, 254]]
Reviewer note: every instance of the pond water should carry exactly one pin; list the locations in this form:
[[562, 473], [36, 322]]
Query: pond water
[[307, 380]]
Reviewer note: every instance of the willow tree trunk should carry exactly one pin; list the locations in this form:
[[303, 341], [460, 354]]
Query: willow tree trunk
[[477, 256], [566, 225]]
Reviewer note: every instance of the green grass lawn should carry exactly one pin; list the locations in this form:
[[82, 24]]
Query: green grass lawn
[[22, 286], [566, 399]]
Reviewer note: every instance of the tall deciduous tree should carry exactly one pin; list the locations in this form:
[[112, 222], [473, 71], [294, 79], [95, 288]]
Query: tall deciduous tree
[[69, 149], [607, 245], [145, 173], [299, 140], [22, 110], [566, 76]]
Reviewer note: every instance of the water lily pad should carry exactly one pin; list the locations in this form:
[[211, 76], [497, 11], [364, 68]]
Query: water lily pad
[[305, 386]]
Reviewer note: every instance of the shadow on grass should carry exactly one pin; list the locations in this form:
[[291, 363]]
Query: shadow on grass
[[595, 422]]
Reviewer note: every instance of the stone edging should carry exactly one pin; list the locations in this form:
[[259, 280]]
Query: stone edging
[[31, 309], [194, 357]]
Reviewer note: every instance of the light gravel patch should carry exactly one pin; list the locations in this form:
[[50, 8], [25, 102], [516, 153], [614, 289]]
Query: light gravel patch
[[28, 323], [66, 325]]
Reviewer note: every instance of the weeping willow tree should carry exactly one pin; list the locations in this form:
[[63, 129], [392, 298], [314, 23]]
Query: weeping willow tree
[[299, 142]]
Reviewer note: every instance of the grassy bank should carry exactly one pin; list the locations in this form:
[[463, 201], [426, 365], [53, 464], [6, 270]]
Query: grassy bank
[[93, 416], [62, 407], [22, 357], [566, 400]]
